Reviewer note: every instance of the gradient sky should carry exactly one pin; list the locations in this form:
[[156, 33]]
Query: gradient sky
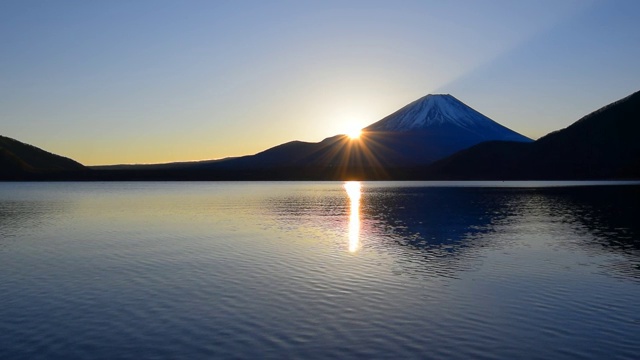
[[109, 82]]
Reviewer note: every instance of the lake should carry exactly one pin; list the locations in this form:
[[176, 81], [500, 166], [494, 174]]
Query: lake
[[442, 270]]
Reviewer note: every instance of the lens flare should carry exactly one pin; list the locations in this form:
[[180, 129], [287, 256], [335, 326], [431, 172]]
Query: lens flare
[[354, 134]]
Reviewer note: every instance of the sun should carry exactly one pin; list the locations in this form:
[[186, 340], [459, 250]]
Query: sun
[[354, 133]]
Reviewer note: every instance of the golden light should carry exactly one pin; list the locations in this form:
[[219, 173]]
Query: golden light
[[354, 193], [354, 134], [352, 158]]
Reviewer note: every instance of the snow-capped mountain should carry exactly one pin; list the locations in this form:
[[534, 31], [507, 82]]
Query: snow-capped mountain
[[418, 134], [436, 111]]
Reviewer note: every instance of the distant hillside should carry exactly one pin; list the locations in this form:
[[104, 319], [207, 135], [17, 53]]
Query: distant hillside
[[22, 161], [402, 146], [601, 145], [418, 134]]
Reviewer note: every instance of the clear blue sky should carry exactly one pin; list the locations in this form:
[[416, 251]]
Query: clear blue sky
[[117, 81]]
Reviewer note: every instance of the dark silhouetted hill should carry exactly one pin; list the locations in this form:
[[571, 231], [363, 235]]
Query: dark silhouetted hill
[[418, 134], [20, 161], [601, 145], [433, 138]]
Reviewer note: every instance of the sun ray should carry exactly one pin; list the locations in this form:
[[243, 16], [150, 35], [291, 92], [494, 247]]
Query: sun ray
[[342, 158], [354, 134]]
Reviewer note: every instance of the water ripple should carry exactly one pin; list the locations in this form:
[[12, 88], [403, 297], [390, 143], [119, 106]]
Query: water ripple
[[263, 270]]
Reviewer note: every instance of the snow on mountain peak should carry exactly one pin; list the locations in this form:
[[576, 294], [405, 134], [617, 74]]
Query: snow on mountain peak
[[433, 109], [444, 110]]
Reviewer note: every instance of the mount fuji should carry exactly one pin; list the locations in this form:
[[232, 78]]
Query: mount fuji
[[436, 137], [418, 134], [436, 126], [440, 111]]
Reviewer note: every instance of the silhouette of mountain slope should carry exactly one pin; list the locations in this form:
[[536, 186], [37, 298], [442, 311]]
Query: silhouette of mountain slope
[[403, 145], [420, 133], [603, 144], [18, 160]]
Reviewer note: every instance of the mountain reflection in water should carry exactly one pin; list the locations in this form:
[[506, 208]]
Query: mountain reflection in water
[[451, 224], [447, 227], [319, 270]]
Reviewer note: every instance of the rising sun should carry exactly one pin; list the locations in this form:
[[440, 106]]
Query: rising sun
[[354, 133]]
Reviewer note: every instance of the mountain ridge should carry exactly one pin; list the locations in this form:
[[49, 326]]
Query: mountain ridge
[[19, 160], [600, 145], [419, 133]]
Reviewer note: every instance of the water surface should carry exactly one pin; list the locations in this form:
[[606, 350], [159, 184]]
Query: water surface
[[319, 270]]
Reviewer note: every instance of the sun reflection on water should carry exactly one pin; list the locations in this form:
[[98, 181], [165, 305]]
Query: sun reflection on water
[[353, 191]]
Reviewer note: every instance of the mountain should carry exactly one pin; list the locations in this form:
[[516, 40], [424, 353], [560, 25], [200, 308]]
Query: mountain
[[20, 161], [426, 130], [435, 137], [436, 126], [603, 144], [444, 112]]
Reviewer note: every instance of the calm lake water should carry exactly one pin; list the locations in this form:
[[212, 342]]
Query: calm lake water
[[319, 270]]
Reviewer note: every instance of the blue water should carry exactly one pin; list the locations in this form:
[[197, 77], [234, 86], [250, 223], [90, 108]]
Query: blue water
[[485, 270]]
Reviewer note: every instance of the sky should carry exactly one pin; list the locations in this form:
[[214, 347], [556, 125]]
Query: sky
[[137, 81]]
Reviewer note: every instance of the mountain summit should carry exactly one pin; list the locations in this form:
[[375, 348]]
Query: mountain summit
[[431, 128], [415, 142], [444, 111], [418, 134]]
